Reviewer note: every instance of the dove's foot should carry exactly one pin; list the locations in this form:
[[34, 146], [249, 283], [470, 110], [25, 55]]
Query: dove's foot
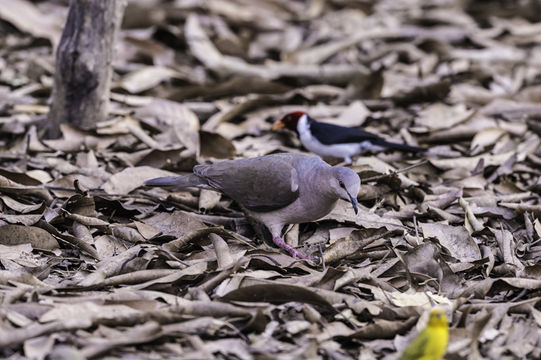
[[281, 243]]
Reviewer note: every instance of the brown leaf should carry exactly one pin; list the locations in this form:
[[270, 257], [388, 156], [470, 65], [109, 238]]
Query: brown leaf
[[176, 224], [455, 239], [38, 238], [216, 146], [276, 293], [131, 178], [34, 21]]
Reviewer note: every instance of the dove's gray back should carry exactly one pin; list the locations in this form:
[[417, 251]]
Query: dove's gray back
[[259, 184]]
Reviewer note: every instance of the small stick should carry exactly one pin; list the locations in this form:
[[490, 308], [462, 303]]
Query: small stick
[[408, 168]]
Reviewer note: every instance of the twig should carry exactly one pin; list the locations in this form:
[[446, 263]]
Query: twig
[[178, 243], [408, 168]]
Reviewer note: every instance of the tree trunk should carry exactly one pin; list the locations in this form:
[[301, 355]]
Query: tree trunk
[[83, 64]]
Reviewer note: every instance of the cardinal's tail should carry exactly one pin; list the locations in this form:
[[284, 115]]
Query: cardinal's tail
[[402, 147]]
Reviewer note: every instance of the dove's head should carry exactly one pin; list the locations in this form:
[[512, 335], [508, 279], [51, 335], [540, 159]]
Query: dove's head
[[346, 184]]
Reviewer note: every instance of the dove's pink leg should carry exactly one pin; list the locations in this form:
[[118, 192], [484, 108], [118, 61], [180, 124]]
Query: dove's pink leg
[[281, 243]]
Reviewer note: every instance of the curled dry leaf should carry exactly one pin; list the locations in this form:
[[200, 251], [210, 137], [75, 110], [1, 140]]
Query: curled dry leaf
[[208, 199], [486, 137], [146, 78]]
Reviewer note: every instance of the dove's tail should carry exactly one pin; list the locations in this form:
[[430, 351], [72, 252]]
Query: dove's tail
[[191, 180]]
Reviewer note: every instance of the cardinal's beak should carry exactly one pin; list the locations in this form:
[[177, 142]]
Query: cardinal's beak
[[278, 125]]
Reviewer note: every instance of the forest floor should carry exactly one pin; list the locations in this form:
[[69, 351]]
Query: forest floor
[[93, 265]]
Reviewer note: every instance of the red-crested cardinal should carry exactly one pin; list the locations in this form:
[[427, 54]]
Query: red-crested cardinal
[[329, 140]]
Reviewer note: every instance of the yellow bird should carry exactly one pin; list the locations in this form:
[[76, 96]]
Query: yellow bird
[[431, 343]]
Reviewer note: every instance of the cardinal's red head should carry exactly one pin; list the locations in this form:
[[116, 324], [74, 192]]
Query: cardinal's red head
[[289, 121]]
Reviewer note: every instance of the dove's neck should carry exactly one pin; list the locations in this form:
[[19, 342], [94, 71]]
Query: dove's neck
[[317, 181]]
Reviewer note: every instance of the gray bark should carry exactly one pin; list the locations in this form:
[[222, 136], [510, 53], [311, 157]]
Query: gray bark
[[83, 64]]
